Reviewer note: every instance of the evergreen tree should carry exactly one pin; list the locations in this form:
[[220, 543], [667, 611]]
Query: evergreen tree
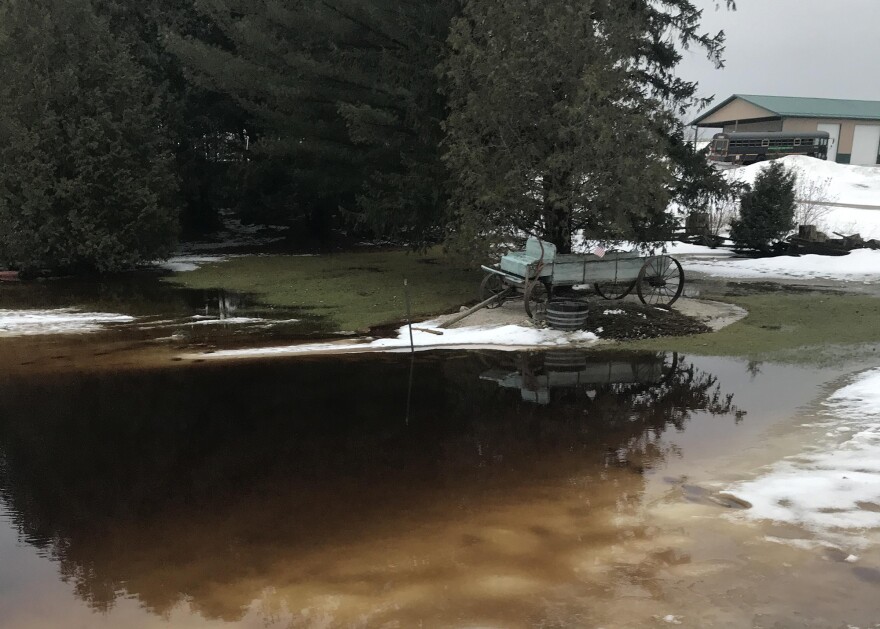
[[564, 117], [204, 128], [766, 210], [86, 182], [345, 100]]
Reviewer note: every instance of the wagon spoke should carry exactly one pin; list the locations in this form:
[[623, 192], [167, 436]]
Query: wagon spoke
[[535, 299], [614, 289], [492, 284], [660, 281]]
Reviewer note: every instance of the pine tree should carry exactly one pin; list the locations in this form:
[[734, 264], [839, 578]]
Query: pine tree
[[564, 118], [766, 210], [86, 183], [204, 128], [345, 100]]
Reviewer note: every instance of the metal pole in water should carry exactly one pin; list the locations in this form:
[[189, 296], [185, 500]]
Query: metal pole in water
[[412, 347]]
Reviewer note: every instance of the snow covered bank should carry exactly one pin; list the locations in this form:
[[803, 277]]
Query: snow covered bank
[[847, 221], [833, 489], [845, 185], [62, 321], [850, 185], [510, 337], [677, 248], [861, 265]]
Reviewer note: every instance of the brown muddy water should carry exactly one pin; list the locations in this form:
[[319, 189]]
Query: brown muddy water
[[502, 490]]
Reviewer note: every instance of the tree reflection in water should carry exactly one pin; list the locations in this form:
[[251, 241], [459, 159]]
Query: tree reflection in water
[[212, 484]]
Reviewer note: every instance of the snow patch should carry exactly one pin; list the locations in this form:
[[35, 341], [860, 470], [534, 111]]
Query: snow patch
[[202, 320], [60, 321], [848, 184], [180, 264], [858, 265], [832, 489], [501, 337]]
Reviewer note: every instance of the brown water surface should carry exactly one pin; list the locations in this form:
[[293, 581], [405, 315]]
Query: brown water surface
[[517, 490]]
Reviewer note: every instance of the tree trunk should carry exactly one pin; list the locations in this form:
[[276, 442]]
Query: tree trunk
[[557, 211]]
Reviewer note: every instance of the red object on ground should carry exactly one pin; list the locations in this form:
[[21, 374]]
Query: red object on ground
[[9, 276]]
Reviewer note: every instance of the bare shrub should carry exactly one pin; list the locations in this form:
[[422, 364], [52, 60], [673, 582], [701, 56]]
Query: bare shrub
[[812, 197], [723, 208]]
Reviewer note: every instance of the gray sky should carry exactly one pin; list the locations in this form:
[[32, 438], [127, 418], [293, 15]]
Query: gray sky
[[822, 48]]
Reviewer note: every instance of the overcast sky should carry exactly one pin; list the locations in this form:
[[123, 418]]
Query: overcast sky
[[822, 48]]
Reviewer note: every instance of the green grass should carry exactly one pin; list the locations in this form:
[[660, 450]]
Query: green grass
[[354, 291], [358, 290], [786, 326]]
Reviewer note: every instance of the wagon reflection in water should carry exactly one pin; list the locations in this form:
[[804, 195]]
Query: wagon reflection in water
[[584, 378], [578, 373]]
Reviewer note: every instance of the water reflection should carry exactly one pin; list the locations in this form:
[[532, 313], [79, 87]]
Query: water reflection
[[538, 373], [297, 485], [160, 306], [666, 383]]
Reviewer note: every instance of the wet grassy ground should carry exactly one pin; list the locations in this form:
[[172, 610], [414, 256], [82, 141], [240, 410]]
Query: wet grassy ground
[[352, 290], [784, 323]]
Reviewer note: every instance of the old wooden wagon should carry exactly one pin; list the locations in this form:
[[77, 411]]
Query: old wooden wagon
[[538, 273]]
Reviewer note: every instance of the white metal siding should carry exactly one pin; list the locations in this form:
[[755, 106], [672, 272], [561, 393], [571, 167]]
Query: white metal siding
[[866, 145], [833, 131]]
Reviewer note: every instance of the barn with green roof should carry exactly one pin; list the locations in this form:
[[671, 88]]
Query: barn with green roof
[[853, 125]]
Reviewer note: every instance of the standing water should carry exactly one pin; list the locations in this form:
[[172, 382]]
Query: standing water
[[523, 490]]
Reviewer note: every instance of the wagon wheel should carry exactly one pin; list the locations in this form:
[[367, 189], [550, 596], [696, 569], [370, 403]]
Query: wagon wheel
[[613, 290], [535, 299], [661, 370], [491, 285], [660, 281]]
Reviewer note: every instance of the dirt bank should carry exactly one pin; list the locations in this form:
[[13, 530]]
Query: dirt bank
[[624, 319]]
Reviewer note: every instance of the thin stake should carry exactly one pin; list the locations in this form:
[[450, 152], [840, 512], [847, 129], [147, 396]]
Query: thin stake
[[412, 368], [412, 344]]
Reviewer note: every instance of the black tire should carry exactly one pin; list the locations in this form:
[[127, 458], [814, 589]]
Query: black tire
[[613, 290], [535, 299], [660, 282], [491, 285]]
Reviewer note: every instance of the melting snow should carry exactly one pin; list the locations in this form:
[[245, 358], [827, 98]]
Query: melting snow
[[848, 184], [858, 265], [832, 489], [202, 320], [61, 321], [507, 336], [179, 264]]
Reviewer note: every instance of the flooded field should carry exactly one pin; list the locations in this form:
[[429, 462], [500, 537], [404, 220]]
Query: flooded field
[[557, 489]]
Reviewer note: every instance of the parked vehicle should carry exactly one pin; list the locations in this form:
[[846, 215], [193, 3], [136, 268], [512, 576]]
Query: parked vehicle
[[748, 147]]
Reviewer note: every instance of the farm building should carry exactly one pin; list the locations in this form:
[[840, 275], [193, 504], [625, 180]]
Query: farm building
[[853, 125]]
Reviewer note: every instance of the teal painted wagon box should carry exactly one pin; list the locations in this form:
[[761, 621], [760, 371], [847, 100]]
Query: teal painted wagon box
[[568, 269], [538, 270], [525, 263]]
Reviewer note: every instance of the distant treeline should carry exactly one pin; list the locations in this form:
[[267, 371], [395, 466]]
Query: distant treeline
[[126, 123]]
